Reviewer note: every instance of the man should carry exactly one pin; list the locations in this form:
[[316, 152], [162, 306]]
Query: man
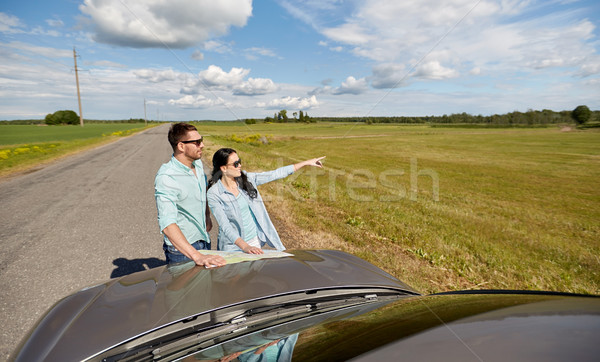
[[180, 192]]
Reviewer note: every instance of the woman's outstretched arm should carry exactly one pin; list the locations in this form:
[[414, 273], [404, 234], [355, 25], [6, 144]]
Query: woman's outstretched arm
[[312, 162]]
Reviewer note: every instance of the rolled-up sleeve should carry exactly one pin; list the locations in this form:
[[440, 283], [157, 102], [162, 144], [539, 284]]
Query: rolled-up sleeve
[[165, 193]]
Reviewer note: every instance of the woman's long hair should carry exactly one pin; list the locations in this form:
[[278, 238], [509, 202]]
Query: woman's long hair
[[220, 158]]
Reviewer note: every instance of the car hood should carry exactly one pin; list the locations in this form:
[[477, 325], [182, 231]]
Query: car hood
[[99, 318]]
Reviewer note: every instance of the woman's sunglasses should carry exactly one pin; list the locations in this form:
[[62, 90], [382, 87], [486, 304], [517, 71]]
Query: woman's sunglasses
[[236, 164]]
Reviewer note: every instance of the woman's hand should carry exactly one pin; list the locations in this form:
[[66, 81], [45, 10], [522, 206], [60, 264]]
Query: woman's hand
[[247, 248], [253, 250], [312, 162]]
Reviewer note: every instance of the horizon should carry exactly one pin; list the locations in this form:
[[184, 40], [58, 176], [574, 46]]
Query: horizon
[[292, 119]]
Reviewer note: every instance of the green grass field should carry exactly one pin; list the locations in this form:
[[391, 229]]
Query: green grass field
[[440, 208], [23, 146], [26, 134]]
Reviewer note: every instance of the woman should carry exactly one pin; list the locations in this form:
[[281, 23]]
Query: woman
[[244, 223]]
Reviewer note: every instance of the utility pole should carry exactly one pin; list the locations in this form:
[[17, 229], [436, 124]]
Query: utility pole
[[78, 94], [145, 119]]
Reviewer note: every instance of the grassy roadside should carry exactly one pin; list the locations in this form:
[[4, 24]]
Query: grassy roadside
[[23, 147], [441, 209]]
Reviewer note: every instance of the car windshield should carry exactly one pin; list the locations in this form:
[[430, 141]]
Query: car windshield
[[263, 324]]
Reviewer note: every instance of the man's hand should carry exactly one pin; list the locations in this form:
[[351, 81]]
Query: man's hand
[[209, 261]]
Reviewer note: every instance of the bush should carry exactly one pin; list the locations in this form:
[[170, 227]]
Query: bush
[[254, 139], [581, 114], [62, 117]]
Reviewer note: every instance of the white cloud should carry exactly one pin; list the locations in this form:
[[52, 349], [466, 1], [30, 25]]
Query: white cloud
[[196, 102], [255, 53], [57, 23], [561, 47], [398, 31], [156, 76], [38, 30], [217, 47], [590, 68], [352, 86], [350, 33], [327, 81], [215, 77], [197, 55], [448, 39], [163, 23], [594, 83], [320, 90], [291, 103], [475, 71], [262, 51], [105, 64], [299, 11], [388, 76], [10, 24], [434, 70], [255, 86], [40, 51]]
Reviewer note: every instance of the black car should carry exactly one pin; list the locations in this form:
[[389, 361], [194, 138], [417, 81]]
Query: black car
[[312, 305]]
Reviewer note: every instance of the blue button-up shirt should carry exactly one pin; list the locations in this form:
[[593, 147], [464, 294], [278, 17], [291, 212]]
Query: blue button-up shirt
[[226, 211], [181, 199]]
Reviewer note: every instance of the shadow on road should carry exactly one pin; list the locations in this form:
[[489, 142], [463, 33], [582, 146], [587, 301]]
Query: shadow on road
[[126, 266]]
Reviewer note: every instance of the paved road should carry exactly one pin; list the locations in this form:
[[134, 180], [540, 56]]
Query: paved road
[[77, 223]]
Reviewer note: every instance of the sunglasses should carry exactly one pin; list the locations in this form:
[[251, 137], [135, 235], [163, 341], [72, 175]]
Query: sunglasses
[[197, 142], [236, 164]]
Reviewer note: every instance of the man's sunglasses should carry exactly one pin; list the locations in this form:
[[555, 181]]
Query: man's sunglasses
[[197, 142], [236, 164]]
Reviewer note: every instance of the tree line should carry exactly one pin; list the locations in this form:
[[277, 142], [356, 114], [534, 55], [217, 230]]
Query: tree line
[[580, 115], [282, 117], [530, 117]]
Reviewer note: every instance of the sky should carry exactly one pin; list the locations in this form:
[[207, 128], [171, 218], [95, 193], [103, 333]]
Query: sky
[[182, 60]]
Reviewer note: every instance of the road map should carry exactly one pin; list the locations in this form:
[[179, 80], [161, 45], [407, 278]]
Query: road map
[[232, 257]]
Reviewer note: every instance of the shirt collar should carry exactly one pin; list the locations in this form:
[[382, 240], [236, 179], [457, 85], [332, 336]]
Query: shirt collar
[[180, 165], [219, 185], [222, 190]]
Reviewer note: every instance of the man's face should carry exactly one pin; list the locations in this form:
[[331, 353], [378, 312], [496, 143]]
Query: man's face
[[192, 150]]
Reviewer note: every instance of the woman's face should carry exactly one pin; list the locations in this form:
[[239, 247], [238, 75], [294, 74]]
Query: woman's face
[[233, 167]]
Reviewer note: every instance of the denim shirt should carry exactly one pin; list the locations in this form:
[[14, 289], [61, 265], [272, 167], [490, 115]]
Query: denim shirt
[[181, 199], [226, 210]]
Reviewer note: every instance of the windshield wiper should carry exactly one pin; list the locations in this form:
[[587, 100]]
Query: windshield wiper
[[199, 333]]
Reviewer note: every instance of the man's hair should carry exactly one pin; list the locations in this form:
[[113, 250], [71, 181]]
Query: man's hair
[[178, 131]]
